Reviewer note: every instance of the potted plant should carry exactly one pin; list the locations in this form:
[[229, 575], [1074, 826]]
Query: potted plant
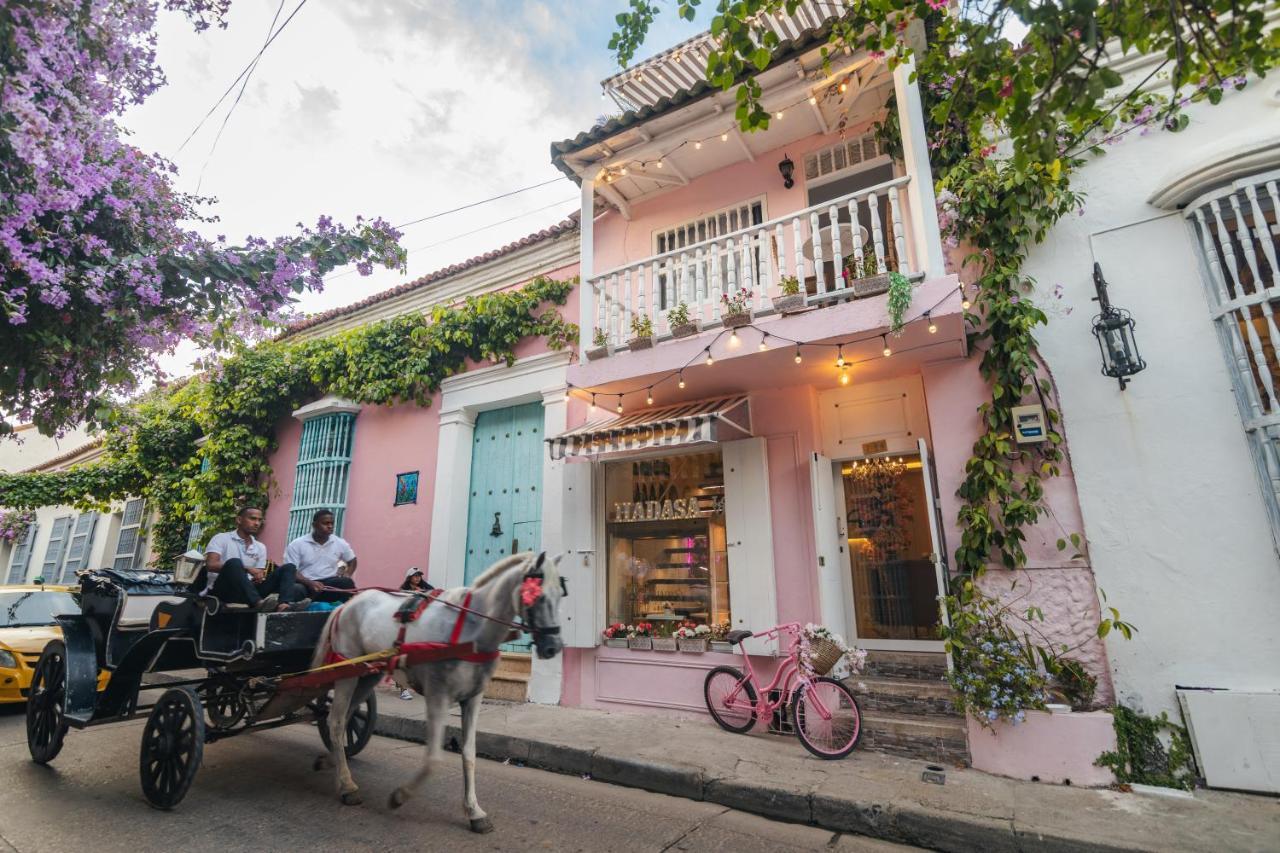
[[681, 325], [736, 309], [791, 300], [615, 636], [664, 640], [600, 345], [718, 632], [693, 638], [641, 332], [865, 277], [899, 301], [640, 636]]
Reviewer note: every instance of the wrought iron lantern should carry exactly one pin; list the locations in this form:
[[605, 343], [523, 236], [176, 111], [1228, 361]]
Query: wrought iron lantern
[[787, 170], [188, 566], [1113, 327]]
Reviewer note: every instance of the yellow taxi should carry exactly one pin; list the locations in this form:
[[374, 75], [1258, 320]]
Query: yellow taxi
[[27, 624]]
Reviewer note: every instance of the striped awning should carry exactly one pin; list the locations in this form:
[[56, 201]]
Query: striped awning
[[681, 425]]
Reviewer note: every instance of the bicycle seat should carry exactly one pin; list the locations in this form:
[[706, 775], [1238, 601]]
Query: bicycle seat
[[736, 637]]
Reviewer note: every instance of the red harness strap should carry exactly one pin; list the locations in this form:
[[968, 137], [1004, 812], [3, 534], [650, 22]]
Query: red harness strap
[[409, 654]]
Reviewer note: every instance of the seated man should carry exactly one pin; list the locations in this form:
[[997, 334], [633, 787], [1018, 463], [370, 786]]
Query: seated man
[[317, 556], [236, 563]]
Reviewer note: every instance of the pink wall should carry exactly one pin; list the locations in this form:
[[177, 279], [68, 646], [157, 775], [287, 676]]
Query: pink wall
[[1053, 748], [619, 242], [1061, 586], [389, 440]]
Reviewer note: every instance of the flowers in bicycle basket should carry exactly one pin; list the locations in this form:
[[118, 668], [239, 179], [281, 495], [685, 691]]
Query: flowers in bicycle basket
[[616, 631], [640, 629], [824, 652]]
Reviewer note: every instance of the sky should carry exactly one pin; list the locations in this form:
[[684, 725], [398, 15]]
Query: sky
[[392, 108]]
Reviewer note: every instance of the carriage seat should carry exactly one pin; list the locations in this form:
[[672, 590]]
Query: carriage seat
[[736, 637]]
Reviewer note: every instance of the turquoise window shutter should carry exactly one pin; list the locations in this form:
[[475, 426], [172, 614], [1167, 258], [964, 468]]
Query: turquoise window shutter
[[323, 473], [22, 554]]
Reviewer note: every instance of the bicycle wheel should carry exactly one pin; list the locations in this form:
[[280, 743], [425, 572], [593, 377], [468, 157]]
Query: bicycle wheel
[[731, 699], [826, 718]]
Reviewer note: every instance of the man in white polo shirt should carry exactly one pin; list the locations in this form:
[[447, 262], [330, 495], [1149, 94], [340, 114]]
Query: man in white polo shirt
[[236, 562], [318, 555]]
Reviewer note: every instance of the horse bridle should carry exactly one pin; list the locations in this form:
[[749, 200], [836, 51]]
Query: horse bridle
[[528, 611]]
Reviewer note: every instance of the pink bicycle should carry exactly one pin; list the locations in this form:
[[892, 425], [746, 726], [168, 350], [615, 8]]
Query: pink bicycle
[[823, 711]]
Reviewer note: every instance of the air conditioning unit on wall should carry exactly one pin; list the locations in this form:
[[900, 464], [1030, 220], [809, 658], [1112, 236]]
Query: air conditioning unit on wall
[[1236, 737]]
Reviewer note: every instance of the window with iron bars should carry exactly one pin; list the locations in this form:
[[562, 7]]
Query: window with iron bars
[[323, 472]]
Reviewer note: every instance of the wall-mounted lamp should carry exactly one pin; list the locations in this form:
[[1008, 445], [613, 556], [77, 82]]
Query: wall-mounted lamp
[[1113, 328], [787, 168]]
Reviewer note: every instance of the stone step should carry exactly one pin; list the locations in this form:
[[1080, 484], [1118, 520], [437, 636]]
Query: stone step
[[914, 697], [939, 740], [923, 666], [510, 682]]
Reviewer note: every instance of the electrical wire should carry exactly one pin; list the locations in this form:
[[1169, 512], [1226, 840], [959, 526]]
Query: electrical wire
[[480, 202]]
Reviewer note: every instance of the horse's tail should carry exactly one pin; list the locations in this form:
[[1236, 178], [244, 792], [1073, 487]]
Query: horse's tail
[[326, 639]]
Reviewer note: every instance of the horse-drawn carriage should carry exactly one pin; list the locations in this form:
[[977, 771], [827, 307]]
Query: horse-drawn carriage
[[136, 625], [226, 670]]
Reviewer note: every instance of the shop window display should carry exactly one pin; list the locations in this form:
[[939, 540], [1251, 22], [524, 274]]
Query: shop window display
[[667, 560]]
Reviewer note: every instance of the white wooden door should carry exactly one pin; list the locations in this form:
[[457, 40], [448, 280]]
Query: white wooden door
[[935, 533], [835, 591], [749, 529]]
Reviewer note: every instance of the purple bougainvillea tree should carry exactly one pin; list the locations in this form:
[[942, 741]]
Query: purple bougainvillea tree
[[103, 270]]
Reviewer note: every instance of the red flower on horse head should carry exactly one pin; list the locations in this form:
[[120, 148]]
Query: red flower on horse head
[[530, 591]]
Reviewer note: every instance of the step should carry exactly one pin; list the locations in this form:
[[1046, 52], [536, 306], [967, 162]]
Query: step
[[923, 666], [514, 663], [510, 682], [915, 697], [933, 739]]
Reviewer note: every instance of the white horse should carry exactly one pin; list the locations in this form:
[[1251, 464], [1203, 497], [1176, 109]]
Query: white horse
[[523, 585]]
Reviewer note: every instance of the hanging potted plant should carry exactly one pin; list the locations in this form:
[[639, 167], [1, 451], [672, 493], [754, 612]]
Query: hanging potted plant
[[865, 277], [693, 638], [898, 302], [717, 633], [641, 332], [640, 636], [615, 636], [663, 640], [600, 345], [736, 309], [791, 300], [681, 325]]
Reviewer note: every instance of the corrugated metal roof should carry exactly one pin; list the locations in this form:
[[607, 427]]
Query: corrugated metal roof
[[786, 50]]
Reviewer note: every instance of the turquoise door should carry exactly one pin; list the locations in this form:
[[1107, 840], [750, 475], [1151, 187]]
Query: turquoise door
[[504, 507]]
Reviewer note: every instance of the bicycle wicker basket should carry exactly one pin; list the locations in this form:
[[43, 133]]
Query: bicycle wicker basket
[[823, 655]]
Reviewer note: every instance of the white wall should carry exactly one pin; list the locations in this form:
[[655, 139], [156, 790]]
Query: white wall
[[1179, 536]]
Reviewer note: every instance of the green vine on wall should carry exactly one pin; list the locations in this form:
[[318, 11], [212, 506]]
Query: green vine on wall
[[1141, 757], [151, 448]]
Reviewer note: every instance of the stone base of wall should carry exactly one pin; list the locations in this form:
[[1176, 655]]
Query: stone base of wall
[[1057, 748]]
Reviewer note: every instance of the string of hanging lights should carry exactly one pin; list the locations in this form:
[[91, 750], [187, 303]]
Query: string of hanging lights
[[706, 354]]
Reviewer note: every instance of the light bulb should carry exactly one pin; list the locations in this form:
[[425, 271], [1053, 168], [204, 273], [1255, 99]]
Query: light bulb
[[608, 179], [649, 399], [964, 303], [619, 405], [799, 358], [778, 115], [659, 164], [887, 352], [593, 404], [698, 145], [724, 137], [840, 358], [933, 328], [764, 344], [844, 87], [681, 380], [710, 360], [813, 100], [733, 333], [844, 377], [568, 393], [624, 170]]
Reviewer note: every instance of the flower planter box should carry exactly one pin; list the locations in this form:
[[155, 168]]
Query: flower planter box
[[872, 286], [685, 330], [616, 642], [599, 352], [789, 304], [664, 644], [1050, 747], [734, 321], [722, 646], [695, 645], [640, 343], [640, 642]]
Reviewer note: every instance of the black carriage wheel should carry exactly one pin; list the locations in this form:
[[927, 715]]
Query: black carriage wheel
[[359, 727], [172, 745], [224, 705], [46, 704]]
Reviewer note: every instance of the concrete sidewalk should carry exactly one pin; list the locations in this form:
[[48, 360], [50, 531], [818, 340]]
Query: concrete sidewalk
[[867, 793]]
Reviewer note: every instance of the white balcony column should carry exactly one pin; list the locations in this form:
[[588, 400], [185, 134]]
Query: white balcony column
[[586, 255], [448, 555], [915, 153]]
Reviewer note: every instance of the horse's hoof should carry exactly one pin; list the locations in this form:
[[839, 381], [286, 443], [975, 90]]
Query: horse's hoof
[[397, 799], [352, 798], [481, 825], [323, 762]]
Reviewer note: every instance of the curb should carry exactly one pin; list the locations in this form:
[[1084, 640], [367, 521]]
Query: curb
[[904, 824]]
